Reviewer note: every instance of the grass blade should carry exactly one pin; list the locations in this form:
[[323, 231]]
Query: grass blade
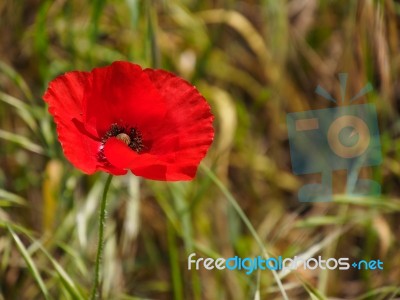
[[8, 198], [22, 141], [246, 221], [22, 109], [65, 279], [17, 79], [29, 262]]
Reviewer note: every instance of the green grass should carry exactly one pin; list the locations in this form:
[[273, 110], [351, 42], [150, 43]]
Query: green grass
[[254, 61]]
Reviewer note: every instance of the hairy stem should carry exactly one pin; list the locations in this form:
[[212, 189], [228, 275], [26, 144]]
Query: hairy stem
[[100, 246]]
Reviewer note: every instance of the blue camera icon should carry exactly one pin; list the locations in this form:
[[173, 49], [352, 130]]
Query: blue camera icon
[[339, 138]]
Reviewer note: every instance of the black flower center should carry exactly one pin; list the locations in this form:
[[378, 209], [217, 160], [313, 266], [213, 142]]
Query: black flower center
[[129, 135]]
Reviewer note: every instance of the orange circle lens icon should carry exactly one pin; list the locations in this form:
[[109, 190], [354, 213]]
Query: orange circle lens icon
[[358, 128]]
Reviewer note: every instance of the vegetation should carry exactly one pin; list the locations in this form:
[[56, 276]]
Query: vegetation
[[255, 61]]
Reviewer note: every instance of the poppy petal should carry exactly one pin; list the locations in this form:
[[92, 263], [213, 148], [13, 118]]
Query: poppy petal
[[188, 123], [187, 129], [182, 138], [122, 93], [65, 97], [147, 165]]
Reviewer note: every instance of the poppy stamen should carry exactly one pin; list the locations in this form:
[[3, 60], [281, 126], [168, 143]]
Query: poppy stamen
[[131, 137]]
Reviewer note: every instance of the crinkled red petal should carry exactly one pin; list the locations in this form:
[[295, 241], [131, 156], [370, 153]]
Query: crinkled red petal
[[122, 93], [65, 97], [181, 139], [150, 166]]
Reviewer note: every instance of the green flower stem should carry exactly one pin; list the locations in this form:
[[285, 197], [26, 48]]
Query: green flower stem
[[100, 246]]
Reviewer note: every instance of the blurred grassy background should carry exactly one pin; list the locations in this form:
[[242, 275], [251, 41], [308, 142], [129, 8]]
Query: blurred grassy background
[[254, 61]]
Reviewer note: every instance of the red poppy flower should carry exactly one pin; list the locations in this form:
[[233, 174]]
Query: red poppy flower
[[121, 117]]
